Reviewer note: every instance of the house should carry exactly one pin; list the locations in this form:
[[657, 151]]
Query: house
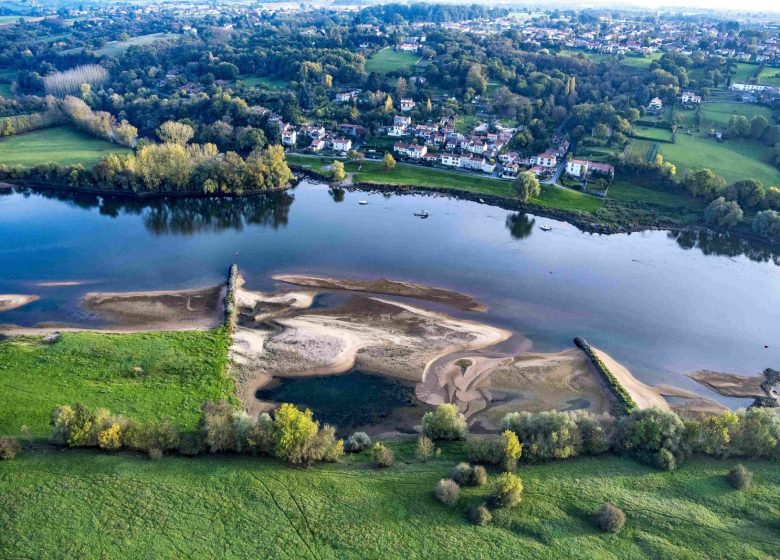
[[689, 97], [400, 125], [547, 159], [407, 105], [289, 136], [412, 151], [577, 168], [352, 130], [540, 171], [508, 158], [317, 145], [451, 160], [313, 132], [602, 169], [407, 47], [510, 170], [655, 106], [341, 144], [347, 96]]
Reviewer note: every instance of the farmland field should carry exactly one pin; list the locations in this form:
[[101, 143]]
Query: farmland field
[[718, 114], [769, 77], [387, 60], [643, 149], [68, 503], [640, 61], [61, 145], [143, 375], [733, 160]]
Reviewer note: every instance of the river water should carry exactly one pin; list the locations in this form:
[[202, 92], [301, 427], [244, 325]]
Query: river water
[[660, 302]]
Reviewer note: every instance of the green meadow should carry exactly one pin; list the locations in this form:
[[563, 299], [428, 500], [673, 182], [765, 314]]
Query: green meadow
[[61, 145], [387, 60], [83, 504], [769, 76], [143, 375]]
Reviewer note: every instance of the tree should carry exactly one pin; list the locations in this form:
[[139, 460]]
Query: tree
[[294, 432], [388, 163], [476, 80], [337, 172], [526, 186], [748, 193], [400, 87], [444, 423], [704, 183], [389, 104], [175, 132], [723, 213], [767, 222], [507, 491]]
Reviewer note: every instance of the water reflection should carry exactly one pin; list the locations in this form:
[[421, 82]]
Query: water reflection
[[185, 216], [337, 194], [519, 225], [713, 243]]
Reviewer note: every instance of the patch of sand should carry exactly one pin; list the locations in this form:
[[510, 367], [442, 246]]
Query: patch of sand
[[63, 284], [12, 301], [644, 396], [729, 384], [165, 310], [387, 287]]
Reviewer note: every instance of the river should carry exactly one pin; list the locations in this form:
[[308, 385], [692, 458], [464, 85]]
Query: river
[[662, 303]]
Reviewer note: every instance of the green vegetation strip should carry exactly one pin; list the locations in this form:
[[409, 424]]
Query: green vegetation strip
[[89, 504], [62, 145], [626, 403], [143, 375]]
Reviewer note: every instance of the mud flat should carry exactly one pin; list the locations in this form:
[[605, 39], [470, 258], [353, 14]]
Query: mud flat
[[729, 384], [12, 301], [165, 310], [386, 287]]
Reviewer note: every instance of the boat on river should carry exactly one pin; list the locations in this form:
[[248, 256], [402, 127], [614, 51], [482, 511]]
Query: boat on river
[[545, 228], [362, 202], [422, 214]]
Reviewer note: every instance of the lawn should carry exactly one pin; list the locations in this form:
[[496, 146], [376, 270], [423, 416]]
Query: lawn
[[372, 173], [112, 48], [5, 90], [145, 375], [60, 145], [82, 504], [744, 72], [734, 160], [625, 191], [387, 60], [643, 149], [640, 61], [769, 77], [263, 82], [653, 133]]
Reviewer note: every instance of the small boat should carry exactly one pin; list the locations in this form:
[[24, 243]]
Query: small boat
[[362, 202], [422, 214], [482, 201], [545, 228]]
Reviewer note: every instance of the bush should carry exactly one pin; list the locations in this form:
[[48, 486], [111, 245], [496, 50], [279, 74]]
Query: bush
[[545, 435], [298, 439], [740, 477], [425, 448], [462, 473], [646, 432], [478, 476], [665, 460], [480, 515], [610, 518], [381, 456], [507, 491], [9, 448], [357, 442], [444, 423], [487, 450], [447, 491]]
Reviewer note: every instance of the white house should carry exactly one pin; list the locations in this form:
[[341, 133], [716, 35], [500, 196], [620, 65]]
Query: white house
[[342, 144], [451, 160], [413, 151], [407, 47], [577, 167], [400, 125], [289, 136], [753, 88], [317, 145], [545, 159], [656, 105], [407, 105], [690, 97]]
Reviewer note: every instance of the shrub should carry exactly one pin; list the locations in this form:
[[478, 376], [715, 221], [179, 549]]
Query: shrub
[[595, 432], [480, 515], [487, 450], [444, 423], [425, 448], [740, 477], [381, 456], [478, 476], [447, 491], [512, 450], [545, 435], [646, 432], [357, 442], [759, 434], [610, 518], [462, 473], [507, 491], [217, 424], [9, 448], [261, 436], [665, 460], [192, 444], [294, 432]]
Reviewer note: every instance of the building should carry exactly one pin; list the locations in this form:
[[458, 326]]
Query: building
[[313, 132], [577, 168], [341, 144], [450, 160], [548, 159], [407, 47], [407, 105], [602, 169], [352, 130], [289, 136], [317, 145], [689, 97], [412, 151], [655, 106], [400, 125], [347, 96]]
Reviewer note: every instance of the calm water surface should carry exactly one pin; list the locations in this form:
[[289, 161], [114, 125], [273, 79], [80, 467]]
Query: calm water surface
[[662, 303]]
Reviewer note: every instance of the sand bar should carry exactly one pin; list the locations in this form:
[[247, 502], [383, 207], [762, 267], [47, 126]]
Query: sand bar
[[12, 301]]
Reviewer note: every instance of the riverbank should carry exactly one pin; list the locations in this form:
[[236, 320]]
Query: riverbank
[[14, 301]]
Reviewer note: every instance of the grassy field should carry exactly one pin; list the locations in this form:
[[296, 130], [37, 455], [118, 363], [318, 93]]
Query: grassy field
[[653, 133], [69, 504], [60, 145], [641, 61], [744, 72], [769, 77], [5, 90], [179, 370], [625, 191], [112, 48], [643, 149], [372, 173], [263, 82], [734, 160], [717, 115], [387, 60]]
